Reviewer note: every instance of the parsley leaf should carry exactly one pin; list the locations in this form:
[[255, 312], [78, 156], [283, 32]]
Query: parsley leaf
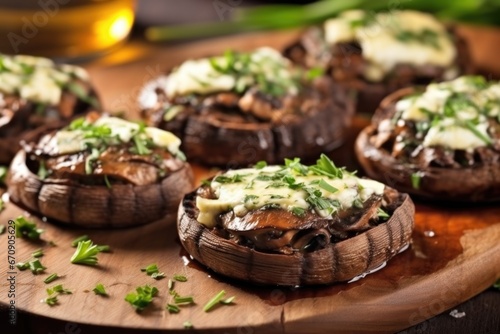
[[27, 229], [142, 297], [85, 253]]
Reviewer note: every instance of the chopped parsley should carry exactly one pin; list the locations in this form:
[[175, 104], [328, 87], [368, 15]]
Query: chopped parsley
[[260, 165], [218, 299], [51, 278], [180, 278], [100, 290], [426, 36], [415, 180], [153, 271], [37, 253], [27, 229], [75, 242], [382, 214], [271, 75], [142, 297], [86, 253], [3, 173]]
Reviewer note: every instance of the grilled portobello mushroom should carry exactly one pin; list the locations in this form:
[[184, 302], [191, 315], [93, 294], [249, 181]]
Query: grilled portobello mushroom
[[441, 142], [294, 224], [379, 53], [241, 108], [101, 171], [35, 93]]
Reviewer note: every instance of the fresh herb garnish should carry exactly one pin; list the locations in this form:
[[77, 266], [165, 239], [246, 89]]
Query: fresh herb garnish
[[415, 180], [51, 278], [425, 36], [299, 212], [27, 229], [382, 214], [51, 301], [75, 242], [216, 300], [260, 165], [264, 72], [37, 253], [325, 166], [171, 308], [188, 325], [142, 297], [153, 271], [183, 300], [36, 267], [86, 253], [229, 179], [180, 278], [100, 290], [42, 171], [3, 173], [58, 289], [326, 186]]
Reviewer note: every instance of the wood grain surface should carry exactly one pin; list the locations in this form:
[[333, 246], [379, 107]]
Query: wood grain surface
[[455, 253]]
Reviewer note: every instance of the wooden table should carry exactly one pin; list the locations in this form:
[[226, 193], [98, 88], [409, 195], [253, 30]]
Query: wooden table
[[455, 255]]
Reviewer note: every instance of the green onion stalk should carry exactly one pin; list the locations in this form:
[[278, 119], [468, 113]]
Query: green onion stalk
[[272, 17]]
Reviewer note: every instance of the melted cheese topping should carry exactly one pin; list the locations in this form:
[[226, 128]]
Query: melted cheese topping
[[456, 112], [393, 38], [36, 79], [249, 189], [201, 77], [73, 141]]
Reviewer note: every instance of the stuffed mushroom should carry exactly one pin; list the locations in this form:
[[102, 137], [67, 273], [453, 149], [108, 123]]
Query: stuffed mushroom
[[35, 93], [101, 171], [241, 108], [441, 142], [294, 224]]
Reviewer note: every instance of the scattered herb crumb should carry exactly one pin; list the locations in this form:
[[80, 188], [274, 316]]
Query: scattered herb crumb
[[75, 242], [153, 271], [27, 229], [2, 228], [86, 253], [100, 290], [37, 253], [51, 301], [415, 180], [216, 300], [142, 297], [36, 267], [51, 278], [180, 278], [171, 308], [188, 324]]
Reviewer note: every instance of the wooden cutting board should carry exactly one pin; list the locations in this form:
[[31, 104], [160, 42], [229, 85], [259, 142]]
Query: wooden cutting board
[[455, 253]]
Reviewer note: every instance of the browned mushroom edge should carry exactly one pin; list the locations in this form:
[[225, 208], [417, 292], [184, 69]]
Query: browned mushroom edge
[[215, 130], [439, 177], [125, 189], [306, 251], [345, 63], [20, 116]]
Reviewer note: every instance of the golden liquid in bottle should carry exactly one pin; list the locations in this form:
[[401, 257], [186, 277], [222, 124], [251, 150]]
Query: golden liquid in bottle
[[64, 29]]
